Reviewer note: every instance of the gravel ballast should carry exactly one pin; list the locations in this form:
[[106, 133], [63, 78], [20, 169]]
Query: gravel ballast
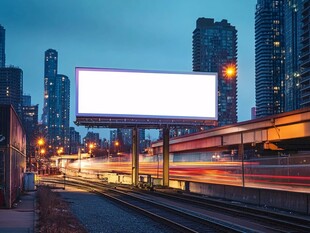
[[101, 215]]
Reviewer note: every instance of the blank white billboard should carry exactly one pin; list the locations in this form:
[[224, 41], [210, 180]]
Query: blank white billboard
[[144, 94]]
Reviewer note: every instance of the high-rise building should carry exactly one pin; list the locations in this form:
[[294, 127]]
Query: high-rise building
[[2, 46], [30, 123], [30, 120], [292, 37], [253, 113], [305, 55], [11, 88], [75, 141], [50, 73], [63, 97], [269, 57], [215, 50], [56, 109], [26, 100], [113, 136]]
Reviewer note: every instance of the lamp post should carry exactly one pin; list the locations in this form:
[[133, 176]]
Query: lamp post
[[40, 152], [117, 150], [91, 146]]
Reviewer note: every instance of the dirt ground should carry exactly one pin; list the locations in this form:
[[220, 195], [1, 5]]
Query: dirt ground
[[54, 214]]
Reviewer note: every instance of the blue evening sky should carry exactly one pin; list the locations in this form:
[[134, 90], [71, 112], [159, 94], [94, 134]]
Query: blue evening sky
[[126, 34]]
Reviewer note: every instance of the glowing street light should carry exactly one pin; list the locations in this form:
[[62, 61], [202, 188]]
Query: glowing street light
[[42, 151], [39, 154], [230, 71], [60, 150], [41, 142], [91, 146]]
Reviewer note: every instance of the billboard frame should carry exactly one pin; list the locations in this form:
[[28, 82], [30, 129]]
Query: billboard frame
[[142, 121]]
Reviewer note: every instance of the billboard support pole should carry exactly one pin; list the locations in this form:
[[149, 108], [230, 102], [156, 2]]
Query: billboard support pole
[[135, 157], [166, 156]]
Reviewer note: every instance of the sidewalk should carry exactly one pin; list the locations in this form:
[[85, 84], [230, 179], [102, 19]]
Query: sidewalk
[[21, 218]]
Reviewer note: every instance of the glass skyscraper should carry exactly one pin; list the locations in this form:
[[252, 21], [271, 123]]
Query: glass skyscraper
[[2, 46], [64, 106], [50, 73], [282, 56], [11, 88], [215, 50], [269, 57], [56, 109], [292, 37], [305, 55]]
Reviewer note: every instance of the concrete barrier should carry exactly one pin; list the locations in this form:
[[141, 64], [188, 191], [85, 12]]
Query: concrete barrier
[[245, 195], [212, 190], [289, 201], [298, 202]]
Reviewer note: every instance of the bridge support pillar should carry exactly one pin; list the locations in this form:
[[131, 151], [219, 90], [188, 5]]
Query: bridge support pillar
[[166, 156], [135, 157], [241, 154]]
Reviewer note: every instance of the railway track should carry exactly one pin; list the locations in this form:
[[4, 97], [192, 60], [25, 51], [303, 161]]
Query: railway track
[[192, 214], [274, 221]]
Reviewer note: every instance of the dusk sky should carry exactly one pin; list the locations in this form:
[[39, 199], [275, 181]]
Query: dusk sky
[[125, 34]]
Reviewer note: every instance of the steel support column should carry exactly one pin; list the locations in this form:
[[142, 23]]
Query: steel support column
[[166, 156], [241, 154], [135, 157]]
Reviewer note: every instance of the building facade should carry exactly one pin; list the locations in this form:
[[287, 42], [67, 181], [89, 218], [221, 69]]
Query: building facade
[[215, 50], [75, 141], [12, 156], [56, 109], [30, 123], [11, 88], [63, 97], [269, 57], [50, 73], [2, 46], [292, 37], [26, 100], [305, 55]]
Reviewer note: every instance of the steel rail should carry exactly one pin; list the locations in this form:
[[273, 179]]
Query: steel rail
[[184, 222]]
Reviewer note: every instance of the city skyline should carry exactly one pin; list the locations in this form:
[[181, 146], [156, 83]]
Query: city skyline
[[131, 35]]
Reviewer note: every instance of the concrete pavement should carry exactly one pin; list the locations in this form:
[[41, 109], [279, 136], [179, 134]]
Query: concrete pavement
[[22, 217]]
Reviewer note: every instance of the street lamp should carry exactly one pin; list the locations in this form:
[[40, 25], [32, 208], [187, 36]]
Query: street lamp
[[230, 71], [117, 146], [60, 151], [117, 150], [40, 142], [91, 146], [40, 152]]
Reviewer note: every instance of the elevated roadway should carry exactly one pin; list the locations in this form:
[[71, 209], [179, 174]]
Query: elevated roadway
[[287, 131]]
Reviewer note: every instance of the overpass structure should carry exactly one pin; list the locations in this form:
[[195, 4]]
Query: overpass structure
[[288, 131]]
